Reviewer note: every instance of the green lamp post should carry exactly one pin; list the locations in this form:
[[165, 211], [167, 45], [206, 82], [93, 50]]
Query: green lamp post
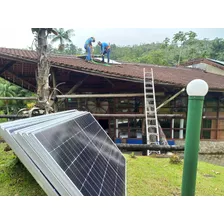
[[196, 90]]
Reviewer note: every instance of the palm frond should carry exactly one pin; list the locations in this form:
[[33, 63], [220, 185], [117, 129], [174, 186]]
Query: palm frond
[[55, 39], [70, 32]]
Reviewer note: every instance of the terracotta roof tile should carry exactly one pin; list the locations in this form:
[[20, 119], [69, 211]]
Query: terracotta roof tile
[[180, 76], [26, 54]]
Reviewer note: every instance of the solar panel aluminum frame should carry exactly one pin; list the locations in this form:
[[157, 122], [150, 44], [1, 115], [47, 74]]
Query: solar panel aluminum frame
[[33, 146], [23, 156]]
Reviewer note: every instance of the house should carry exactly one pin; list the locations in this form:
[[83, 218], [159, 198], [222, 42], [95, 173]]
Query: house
[[114, 93], [207, 65]]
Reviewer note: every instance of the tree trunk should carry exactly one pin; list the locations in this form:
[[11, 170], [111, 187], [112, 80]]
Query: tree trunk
[[178, 63], [43, 69]]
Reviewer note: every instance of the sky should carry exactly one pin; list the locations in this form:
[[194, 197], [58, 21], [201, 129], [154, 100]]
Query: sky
[[118, 36], [120, 23]]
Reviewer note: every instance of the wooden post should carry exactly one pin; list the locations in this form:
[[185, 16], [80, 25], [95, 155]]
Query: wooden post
[[122, 95], [143, 126], [18, 98], [55, 91]]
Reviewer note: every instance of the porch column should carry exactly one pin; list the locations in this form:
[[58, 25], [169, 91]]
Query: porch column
[[116, 126], [172, 131], [181, 133]]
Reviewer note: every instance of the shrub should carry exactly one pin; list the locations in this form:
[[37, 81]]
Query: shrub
[[175, 159], [132, 155]]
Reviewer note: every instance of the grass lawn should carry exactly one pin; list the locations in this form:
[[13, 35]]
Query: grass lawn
[[14, 177], [146, 176], [156, 176]]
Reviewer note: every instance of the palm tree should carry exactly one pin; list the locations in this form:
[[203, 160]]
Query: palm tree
[[63, 37], [43, 67]]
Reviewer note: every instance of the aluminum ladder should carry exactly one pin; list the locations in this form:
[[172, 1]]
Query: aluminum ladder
[[152, 127]]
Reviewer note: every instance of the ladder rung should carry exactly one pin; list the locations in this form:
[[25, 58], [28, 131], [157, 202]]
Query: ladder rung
[[149, 93], [148, 87], [152, 126], [150, 108], [150, 101], [150, 123], [153, 134], [152, 118], [151, 105]]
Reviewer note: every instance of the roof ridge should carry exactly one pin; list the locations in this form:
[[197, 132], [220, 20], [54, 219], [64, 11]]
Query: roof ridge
[[49, 53], [17, 49]]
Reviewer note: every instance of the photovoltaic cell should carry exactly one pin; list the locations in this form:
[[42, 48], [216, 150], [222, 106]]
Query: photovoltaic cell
[[81, 156]]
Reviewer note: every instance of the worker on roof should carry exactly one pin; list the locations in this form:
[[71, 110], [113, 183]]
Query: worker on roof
[[105, 49], [89, 48]]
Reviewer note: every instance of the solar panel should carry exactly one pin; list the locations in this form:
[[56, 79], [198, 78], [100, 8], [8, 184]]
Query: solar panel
[[72, 152], [26, 156]]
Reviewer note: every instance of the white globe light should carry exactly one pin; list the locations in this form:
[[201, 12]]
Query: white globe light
[[197, 87]]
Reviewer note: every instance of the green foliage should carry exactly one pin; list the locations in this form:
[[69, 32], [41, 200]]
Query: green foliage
[[62, 36], [14, 177], [175, 159], [156, 57], [69, 49], [132, 155], [8, 89], [182, 47]]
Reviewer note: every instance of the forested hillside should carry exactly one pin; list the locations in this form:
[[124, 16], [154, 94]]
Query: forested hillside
[[181, 48], [171, 52]]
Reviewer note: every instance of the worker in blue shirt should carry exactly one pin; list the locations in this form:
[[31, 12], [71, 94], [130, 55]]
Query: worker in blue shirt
[[105, 49], [89, 48]]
